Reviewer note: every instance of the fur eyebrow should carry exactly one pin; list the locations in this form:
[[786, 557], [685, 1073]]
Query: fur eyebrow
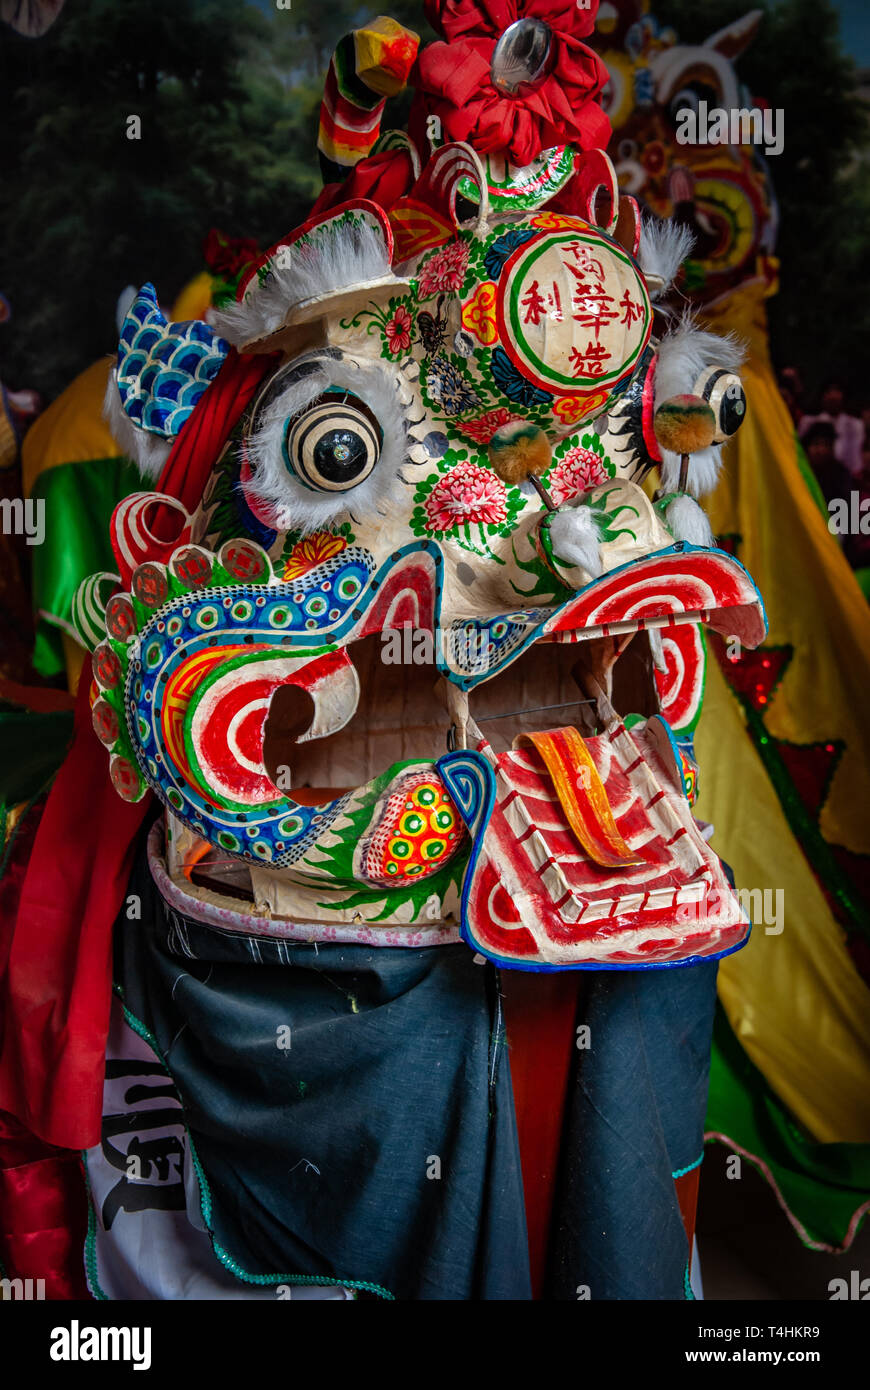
[[343, 256], [293, 506]]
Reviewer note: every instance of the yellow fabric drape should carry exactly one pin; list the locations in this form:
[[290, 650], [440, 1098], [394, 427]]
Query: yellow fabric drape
[[795, 1001], [813, 601], [72, 428]]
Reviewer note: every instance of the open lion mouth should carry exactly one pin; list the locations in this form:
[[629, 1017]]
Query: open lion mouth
[[589, 853], [305, 752]]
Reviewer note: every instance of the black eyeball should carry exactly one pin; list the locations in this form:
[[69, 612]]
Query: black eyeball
[[723, 391], [689, 98], [686, 99], [334, 444]]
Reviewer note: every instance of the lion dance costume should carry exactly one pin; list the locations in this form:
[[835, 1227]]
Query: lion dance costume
[[374, 954]]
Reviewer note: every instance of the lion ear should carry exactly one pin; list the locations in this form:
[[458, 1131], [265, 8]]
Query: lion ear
[[332, 265], [735, 38], [162, 370]]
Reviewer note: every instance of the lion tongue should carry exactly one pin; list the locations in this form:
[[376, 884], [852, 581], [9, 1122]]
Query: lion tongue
[[581, 794]]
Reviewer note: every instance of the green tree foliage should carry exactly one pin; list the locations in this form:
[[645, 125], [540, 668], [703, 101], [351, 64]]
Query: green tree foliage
[[224, 142], [820, 320], [228, 96]]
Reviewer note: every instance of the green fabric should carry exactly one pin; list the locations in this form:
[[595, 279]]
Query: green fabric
[[863, 577], [823, 1186], [79, 501], [32, 748], [810, 479]]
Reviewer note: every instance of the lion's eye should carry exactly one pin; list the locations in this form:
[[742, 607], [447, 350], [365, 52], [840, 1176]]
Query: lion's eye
[[334, 444], [723, 391]]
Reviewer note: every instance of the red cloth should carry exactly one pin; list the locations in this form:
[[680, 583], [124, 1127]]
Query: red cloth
[[43, 1213], [382, 178], [454, 19], [455, 86], [57, 989], [453, 80], [217, 413]]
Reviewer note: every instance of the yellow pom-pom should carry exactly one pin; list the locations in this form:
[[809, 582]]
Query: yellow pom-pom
[[518, 450], [685, 424]]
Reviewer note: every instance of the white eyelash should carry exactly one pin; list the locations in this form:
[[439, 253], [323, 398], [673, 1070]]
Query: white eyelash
[[683, 355], [350, 254], [148, 451], [663, 248], [292, 506]]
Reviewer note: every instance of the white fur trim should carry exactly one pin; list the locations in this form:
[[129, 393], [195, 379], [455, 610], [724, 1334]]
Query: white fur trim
[[663, 248], [683, 354], [575, 537], [148, 451], [291, 505], [338, 258], [687, 522], [123, 306]]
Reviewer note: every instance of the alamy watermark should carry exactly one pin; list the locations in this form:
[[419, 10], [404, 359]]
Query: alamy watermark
[[77, 1343], [714, 125], [763, 906], [26, 1290], [21, 516], [849, 516], [420, 646]]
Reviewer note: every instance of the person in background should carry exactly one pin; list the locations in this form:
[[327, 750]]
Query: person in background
[[820, 443], [848, 429], [792, 391]]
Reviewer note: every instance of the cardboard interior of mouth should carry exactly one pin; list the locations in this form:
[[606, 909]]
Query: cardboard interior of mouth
[[401, 716]]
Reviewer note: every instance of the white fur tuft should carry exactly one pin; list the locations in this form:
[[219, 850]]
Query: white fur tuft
[[338, 258], [663, 248], [687, 522], [148, 451], [575, 537], [683, 354], [292, 506]]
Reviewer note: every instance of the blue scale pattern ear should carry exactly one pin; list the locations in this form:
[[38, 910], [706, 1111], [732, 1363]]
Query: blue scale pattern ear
[[164, 368]]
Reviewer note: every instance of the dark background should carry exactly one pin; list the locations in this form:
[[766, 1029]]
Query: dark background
[[228, 94]]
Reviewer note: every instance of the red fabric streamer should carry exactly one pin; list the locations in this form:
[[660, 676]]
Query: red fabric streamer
[[43, 1214], [56, 995], [217, 413], [383, 178], [57, 990]]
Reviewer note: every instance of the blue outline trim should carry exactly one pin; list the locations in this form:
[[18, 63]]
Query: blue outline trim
[[477, 829], [681, 1172]]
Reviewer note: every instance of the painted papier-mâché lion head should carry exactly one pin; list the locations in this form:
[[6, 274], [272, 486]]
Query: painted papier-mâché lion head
[[380, 673]]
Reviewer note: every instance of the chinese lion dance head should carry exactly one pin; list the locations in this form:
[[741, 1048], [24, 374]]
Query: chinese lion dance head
[[399, 498]]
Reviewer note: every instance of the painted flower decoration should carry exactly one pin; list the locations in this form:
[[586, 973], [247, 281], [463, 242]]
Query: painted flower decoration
[[478, 315], [484, 427], [581, 468], [557, 107], [445, 270], [398, 331], [312, 550], [513, 383], [466, 495]]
